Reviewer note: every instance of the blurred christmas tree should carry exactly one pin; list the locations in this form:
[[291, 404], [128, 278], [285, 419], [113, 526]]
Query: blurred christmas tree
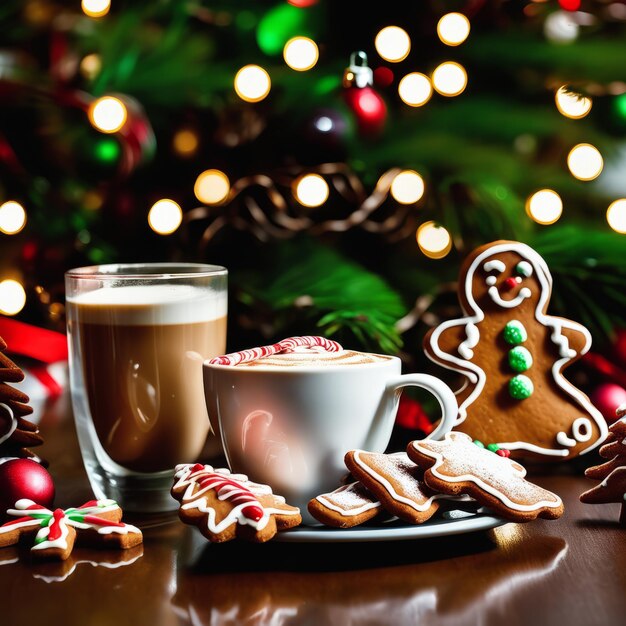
[[340, 197]]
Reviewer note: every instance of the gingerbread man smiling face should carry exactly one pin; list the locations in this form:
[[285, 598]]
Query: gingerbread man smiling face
[[512, 355]]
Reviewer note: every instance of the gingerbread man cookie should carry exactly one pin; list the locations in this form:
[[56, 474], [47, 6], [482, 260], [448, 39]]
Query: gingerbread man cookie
[[346, 507], [456, 465], [96, 522], [224, 505], [512, 356]]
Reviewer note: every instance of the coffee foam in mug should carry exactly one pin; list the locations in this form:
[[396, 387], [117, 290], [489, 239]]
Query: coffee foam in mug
[[145, 305]]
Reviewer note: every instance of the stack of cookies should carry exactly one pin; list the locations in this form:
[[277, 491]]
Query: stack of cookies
[[413, 485]]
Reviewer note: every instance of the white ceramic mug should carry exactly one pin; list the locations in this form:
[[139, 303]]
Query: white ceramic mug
[[291, 427]]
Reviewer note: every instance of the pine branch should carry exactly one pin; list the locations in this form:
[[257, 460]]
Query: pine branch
[[589, 275], [338, 296], [592, 58]]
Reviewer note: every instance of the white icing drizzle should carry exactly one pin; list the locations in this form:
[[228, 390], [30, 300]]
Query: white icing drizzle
[[582, 422], [473, 336], [494, 264], [524, 268], [476, 374], [491, 280], [45, 544], [191, 499], [13, 425], [456, 450], [563, 440], [494, 294], [348, 512]]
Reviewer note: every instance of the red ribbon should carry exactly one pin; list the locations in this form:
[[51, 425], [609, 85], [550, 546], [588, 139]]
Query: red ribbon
[[46, 346], [33, 342], [411, 415]]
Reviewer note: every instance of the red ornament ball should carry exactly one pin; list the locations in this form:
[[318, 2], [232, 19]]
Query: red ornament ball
[[607, 397], [23, 478], [383, 76], [369, 109], [569, 5]]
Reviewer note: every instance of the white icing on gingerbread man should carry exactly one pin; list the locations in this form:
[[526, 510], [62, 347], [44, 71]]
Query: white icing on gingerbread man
[[512, 354]]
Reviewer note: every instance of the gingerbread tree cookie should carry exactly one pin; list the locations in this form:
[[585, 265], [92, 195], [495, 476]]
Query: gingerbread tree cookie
[[512, 356], [613, 472], [226, 506], [16, 433]]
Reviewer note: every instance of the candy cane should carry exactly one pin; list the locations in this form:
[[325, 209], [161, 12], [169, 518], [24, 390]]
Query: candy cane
[[286, 345]]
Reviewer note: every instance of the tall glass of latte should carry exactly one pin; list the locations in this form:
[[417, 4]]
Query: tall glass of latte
[[138, 335]]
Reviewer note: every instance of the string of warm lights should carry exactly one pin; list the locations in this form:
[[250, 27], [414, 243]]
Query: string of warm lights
[[301, 53], [95, 8], [252, 83], [107, 114], [544, 206], [12, 217], [12, 297]]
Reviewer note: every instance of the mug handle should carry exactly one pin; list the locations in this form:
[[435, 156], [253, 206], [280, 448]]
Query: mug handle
[[445, 396]]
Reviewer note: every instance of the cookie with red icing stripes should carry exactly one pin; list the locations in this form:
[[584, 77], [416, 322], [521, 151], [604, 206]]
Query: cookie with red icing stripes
[[96, 523], [226, 506], [457, 465]]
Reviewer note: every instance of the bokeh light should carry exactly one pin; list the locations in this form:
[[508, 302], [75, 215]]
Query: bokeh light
[[407, 187], [544, 206], [90, 66], [433, 240], [453, 29], [252, 83], [107, 114], [185, 142], [616, 215], [212, 187], [311, 190], [450, 79], [12, 297], [301, 53], [585, 162], [415, 89], [95, 8], [165, 216], [393, 44], [12, 217], [572, 105]]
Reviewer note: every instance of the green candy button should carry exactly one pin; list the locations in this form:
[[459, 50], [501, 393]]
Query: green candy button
[[515, 333], [520, 359], [521, 387]]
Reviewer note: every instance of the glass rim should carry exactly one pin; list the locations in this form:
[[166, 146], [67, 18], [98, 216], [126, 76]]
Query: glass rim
[[162, 271]]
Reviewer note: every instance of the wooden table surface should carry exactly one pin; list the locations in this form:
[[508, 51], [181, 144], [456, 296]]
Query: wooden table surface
[[569, 572]]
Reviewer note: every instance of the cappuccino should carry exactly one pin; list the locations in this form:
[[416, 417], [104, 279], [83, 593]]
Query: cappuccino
[[316, 358], [141, 350]]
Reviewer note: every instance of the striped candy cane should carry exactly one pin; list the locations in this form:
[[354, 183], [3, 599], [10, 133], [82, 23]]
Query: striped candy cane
[[286, 345]]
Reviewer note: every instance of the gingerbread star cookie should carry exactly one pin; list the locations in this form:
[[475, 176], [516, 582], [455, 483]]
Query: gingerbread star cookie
[[347, 506], [96, 523], [224, 505], [457, 465], [512, 355]]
